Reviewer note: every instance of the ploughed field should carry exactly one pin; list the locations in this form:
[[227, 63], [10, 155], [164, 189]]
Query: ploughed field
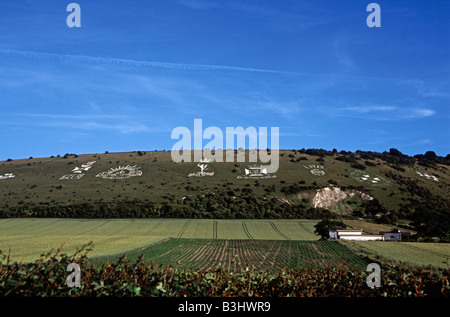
[[203, 244], [238, 255]]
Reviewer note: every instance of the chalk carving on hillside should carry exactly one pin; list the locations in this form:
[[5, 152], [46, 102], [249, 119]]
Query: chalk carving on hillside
[[78, 171], [121, 172], [255, 171], [203, 165], [84, 167], [7, 176], [316, 170], [428, 176], [365, 177], [71, 176], [327, 197]]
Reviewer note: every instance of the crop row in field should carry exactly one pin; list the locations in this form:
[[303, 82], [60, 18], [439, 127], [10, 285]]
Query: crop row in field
[[237, 255]]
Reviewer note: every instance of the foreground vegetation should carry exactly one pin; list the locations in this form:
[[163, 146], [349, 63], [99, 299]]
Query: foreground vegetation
[[47, 277]]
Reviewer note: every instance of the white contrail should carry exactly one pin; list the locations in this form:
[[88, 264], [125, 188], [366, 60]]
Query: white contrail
[[192, 67], [133, 63]]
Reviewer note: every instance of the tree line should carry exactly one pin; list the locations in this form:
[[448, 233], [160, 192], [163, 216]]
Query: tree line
[[220, 205]]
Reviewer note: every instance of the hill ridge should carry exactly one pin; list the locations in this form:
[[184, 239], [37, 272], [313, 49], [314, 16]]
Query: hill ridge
[[149, 184]]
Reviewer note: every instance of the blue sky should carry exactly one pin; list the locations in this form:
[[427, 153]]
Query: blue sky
[[136, 70]]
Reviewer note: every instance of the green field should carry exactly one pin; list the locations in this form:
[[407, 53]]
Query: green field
[[29, 238], [419, 254]]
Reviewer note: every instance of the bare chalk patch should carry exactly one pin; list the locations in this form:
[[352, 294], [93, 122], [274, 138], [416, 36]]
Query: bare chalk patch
[[329, 196], [121, 172], [7, 176], [428, 176], [316, 170]]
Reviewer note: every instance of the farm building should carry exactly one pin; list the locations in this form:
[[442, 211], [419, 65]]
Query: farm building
[[353, 234], [335, 233], [395, 235]]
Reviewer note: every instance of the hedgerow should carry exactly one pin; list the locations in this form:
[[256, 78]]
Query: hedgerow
[[47, 277]]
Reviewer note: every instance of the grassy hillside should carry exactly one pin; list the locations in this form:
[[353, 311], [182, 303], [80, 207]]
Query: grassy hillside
[[37, 179], [389, 185]]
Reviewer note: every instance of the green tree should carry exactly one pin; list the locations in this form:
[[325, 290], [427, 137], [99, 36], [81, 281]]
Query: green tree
[[326, 224]]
